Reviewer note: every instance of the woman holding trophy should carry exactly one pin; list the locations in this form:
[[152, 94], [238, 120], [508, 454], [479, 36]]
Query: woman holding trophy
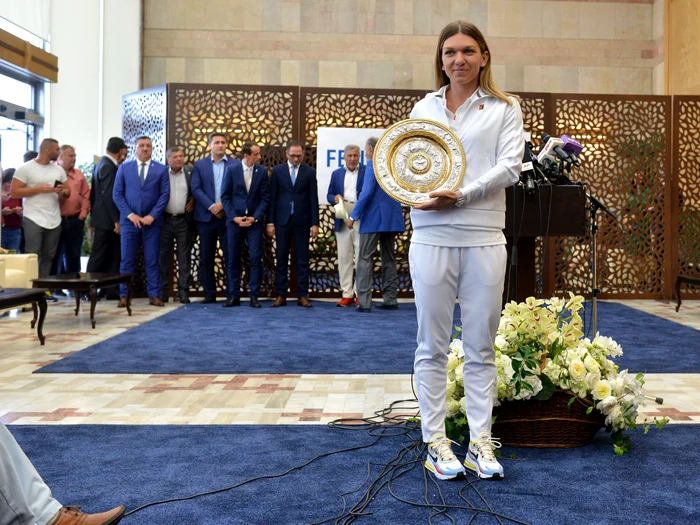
[[458, 247]]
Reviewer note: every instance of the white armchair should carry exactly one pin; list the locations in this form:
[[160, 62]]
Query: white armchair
[[18, 270]]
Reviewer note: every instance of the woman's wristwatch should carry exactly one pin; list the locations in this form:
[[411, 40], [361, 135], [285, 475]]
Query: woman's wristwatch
[[460, 199]]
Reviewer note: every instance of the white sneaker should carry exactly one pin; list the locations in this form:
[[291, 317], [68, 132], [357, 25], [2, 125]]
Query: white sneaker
[[441, 461], [480, 458]]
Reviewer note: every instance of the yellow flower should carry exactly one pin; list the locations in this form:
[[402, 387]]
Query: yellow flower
[[601, 390], [574, 303], [577, 370]]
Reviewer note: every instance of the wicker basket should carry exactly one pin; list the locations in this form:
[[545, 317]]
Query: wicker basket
[[550, 423]]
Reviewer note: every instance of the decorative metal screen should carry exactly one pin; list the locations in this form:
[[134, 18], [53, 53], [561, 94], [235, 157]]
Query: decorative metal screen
[[144, 114], [626, 165], [686, 168]]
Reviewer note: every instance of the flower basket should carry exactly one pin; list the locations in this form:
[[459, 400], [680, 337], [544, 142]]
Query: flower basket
[[550, 423]]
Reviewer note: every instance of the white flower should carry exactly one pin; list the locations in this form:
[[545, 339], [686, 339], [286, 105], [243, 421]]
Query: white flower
[[591, 364], [452, 361], [592, 378], [456, 348], [577, 370], [451, 388], [459, 374], [552, 370], [614, 417], [601, 390], [463, 405], [607, 404], [500, 343], [453, 407]]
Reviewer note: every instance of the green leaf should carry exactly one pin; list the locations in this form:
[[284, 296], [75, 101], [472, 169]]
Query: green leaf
[[646, 429], [528, 386], [547, 389], [618, 450], [589, 410], [571, 401], [513, 455]]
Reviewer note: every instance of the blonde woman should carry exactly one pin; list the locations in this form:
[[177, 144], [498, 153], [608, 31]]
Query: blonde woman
[[458, 247]]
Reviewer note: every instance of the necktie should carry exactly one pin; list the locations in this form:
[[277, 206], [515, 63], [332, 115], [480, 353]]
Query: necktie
[[294, 174], [142, 173], [248, 178]]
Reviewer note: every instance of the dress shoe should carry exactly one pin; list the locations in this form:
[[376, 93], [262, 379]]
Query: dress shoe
[[122, 303], [254, 303], [363, 310], [385, 306], [232, 301], [155, 301], [73, 516], [304, 301], [280, 301], [209, 300], [185, 299], [344, 302]]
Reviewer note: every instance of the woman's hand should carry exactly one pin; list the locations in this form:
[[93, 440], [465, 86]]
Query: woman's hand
[[439, 200]]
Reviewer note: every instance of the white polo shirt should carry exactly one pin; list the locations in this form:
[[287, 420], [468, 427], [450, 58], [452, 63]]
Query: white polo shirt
[[42, 209], [491, 132]]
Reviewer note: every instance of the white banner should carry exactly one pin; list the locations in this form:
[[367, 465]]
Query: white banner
[[330, 150]]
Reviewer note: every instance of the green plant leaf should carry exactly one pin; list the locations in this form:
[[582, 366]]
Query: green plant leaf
[[589, 410], [571, 401], [547, 389]]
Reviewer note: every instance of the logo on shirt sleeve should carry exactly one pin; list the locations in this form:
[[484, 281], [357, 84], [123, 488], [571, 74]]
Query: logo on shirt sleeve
[[481, 106]]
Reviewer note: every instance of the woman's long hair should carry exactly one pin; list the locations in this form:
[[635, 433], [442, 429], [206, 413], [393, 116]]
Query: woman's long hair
[[485, 78]]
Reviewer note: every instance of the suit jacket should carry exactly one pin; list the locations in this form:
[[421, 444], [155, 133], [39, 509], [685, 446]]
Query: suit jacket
[[104, 211], [304, 194], [151, 199], [376, 211], [337, 187], [241, 203], [203, 186]]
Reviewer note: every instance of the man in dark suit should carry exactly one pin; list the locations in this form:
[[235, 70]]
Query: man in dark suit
[[106, 244], [245, 197], [293, 213], [344, 190], [207, 182], [177, 226], [141, 192]]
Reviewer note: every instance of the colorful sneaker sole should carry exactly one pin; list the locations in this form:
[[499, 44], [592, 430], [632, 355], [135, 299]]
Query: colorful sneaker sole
[[433, 467], [472, 464]]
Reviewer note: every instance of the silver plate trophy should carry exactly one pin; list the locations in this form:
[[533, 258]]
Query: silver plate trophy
[[417, 156]]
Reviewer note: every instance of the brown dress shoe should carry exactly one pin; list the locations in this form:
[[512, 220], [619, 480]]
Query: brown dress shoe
[[280, 301], [304, 301], [156, 301], [122, 303], [73, 516]]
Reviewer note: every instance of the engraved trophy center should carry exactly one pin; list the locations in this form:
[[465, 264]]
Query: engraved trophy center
[[417, 156], [420, 163]]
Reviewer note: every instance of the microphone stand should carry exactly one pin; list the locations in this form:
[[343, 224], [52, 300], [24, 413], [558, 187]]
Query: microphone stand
[[594, 207]]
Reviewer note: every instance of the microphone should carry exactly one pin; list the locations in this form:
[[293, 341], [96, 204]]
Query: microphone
[[527, 174], [552, 147], [573, 148]]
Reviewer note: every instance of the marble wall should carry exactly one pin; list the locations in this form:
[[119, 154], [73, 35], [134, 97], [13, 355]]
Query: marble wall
[[573, 46]]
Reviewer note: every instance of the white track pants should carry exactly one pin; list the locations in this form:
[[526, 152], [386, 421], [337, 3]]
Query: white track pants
[[475, 276]]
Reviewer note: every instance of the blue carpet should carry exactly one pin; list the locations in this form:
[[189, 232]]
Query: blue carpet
[[100, 467], [206, 339]]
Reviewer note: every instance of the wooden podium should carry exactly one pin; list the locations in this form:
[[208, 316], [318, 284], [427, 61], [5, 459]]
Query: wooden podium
[[552, 211]]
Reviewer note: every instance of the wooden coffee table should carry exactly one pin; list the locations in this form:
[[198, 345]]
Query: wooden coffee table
[[87, 282], [11, 297]]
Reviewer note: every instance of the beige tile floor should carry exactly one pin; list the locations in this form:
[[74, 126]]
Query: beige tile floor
[[27, 398]]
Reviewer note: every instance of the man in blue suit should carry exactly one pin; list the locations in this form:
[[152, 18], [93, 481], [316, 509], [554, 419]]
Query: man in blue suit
[[207, 183], [346, 186], [141, 192], [293, 213], [381, 219], [245, 196]]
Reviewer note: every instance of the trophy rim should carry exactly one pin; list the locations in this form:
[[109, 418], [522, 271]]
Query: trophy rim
[[383, 171]]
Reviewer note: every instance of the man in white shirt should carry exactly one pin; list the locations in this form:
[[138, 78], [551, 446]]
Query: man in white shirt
[[177, 227], [40, 183], [345, 187]]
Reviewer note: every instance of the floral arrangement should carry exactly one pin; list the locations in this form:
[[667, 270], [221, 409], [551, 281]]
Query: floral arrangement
[[540, 347]]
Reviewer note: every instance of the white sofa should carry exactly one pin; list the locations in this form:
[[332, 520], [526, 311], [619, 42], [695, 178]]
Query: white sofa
[[18, 270]]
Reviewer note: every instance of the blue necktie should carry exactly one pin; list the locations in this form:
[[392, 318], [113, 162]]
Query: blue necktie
[[294, 179], [142, 173]]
